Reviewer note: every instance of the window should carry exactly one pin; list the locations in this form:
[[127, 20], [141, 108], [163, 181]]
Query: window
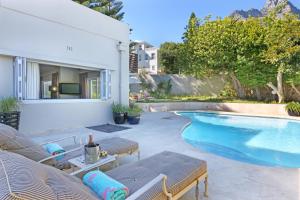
[[94, 88], [146, 57], [140, 47], [153, 55], [153, 68], [45, 81], [140, 57]]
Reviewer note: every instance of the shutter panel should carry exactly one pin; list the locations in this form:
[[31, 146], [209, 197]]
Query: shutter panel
[[19, 77], [105, 84], [109, 84]]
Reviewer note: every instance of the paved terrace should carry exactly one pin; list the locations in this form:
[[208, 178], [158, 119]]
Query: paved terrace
[[228, 179]]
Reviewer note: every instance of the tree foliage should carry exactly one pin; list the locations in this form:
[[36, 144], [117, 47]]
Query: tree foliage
[[255, 53], [283, 48], [112, 8], [170, 57], [212, 46]]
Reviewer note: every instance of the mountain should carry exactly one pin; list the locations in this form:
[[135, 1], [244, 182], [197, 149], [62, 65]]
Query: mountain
[[246, 14], [287, 6], [283, 6]]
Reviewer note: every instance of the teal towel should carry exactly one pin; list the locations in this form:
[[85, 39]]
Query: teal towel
[[104, 186], [55, 149]]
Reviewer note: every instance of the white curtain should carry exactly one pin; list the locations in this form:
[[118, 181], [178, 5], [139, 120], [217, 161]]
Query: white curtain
[[32, 81]]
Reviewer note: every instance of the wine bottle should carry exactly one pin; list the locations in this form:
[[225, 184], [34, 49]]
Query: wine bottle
[[91, 142]]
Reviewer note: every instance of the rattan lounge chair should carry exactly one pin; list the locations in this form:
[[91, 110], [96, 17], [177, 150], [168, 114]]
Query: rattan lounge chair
[[14, 141], [165, 176], [175, 174]]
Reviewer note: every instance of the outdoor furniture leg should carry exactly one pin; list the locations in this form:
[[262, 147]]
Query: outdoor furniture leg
[[206, 186], [197, 191], [165, 190]]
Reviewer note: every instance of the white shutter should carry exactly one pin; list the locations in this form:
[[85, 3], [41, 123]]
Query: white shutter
[[103, 81], [105, 84], [19, 77], [109, 84]]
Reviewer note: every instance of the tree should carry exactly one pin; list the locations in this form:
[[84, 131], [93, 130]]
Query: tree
[[170, 57], [110, 8], [255, 53], [212, 47], [293, 75], [251, 70], [283, 49], [189, 47]]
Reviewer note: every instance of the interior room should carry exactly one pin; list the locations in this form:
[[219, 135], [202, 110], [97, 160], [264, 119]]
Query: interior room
[[58, 82]]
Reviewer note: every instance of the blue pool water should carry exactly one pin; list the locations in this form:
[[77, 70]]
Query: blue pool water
[[257, 140]]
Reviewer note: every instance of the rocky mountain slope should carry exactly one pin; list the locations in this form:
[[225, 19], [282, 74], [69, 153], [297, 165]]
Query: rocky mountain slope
[[270, 5]]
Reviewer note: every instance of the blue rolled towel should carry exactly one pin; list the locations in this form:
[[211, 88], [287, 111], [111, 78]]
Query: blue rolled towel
[[104, 186], [55, 149]]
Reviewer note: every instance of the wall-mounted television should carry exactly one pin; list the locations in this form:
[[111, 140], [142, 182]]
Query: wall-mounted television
[[69, 88]]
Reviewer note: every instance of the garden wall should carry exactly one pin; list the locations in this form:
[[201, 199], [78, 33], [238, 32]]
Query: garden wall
[[187, 85], [213, 86], [243, 108]]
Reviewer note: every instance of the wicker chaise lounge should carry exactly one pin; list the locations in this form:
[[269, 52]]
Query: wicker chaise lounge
[[16, 142], [179, 174], [165, 176]]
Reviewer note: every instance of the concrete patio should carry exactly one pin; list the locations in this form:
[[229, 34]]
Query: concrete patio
[[228, 179]]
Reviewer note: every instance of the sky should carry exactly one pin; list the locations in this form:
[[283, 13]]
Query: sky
[[158, 21]]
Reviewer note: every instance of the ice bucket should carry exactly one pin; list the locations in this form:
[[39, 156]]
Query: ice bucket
[[91, 154]]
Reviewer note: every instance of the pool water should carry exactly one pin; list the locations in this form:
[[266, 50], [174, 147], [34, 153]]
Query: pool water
[[257, 140]]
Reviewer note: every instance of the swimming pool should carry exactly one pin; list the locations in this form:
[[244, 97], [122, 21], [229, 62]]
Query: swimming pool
[[257, 140]]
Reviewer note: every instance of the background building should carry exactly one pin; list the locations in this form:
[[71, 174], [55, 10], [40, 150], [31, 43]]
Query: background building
[[133, 63], [147, 57]]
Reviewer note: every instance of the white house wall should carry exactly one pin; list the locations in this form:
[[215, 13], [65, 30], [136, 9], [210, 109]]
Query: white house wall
[[63, 33], [60, 31], [40, 116], [6, 76]]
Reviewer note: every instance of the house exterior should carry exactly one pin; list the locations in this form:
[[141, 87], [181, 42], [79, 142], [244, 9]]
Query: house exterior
[[147, 57], [66, 63]]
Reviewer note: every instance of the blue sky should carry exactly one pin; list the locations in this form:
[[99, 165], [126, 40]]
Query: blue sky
[[158, 21]]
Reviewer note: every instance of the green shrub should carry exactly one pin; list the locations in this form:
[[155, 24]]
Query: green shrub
[[228, 92], [119, 108], [9, 104], [134, 110], [145, 85], [163, 90], [293, 107]]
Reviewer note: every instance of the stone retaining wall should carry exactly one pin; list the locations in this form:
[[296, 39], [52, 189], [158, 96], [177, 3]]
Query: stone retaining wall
[[243, 108], [186, 85]]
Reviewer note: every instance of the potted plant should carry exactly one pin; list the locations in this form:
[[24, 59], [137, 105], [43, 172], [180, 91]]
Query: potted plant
[[9, 112], [134, 114], [293, 108], [119, 113]]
